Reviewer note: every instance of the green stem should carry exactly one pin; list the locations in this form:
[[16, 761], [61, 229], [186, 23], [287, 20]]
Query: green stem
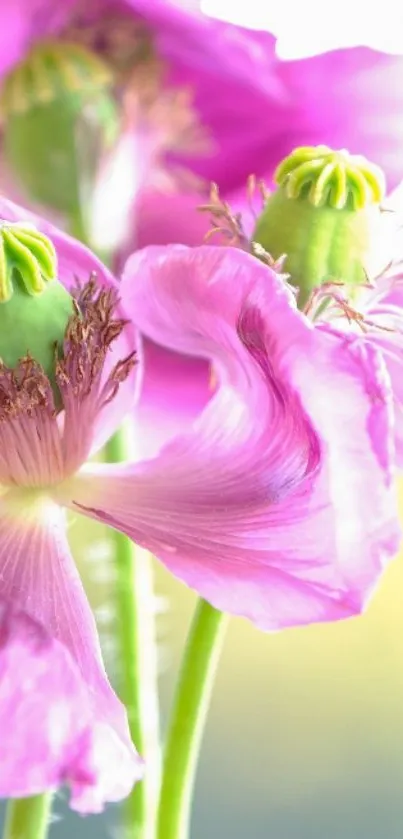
[[78, 227], [135, 634], [187, 721], [135, 602], [28, 818]]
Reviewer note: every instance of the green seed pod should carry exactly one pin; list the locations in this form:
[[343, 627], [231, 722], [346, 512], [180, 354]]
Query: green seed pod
[[59, 120], [34, 307], [322, 217]]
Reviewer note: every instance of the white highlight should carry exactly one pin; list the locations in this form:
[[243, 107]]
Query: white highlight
[[313, 27], [114, 193]]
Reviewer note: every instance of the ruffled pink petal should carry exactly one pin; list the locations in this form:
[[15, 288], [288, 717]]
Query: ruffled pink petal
[[45, 743], [39, 578], [349, 98], [393, 356], [278, 502], [384, 313], [76, 262]]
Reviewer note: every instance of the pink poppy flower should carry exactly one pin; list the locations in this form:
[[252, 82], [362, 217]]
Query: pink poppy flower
[[56, 644], [277, 501], [347, 98]]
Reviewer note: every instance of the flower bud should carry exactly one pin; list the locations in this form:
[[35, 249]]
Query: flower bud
[[59, 121], [323, 217], [34, 307]]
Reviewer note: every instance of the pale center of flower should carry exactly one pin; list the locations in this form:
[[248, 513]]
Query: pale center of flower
[[29, 506]]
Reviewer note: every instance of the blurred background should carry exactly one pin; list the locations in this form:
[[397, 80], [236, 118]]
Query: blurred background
[[305, 734]]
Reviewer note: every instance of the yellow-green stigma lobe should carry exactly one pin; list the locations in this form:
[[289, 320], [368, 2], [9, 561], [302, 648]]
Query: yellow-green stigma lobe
[[330, 178], [322, 216], [34, 307], [59, 117], [24, 248]]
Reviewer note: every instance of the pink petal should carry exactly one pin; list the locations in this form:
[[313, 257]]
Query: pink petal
[[39, 578], [349, 98], [165, 218], [188, 38], [48, 743], [278, 503], [392, 351], [23, 23], [345, 98], [76, 262], [382, 308], [386, 310], [175, 389]]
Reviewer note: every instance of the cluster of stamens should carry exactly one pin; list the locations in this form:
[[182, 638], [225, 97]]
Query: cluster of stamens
[[224, 221], [78, 370], [123, 42], [24, 390], [229, 226], [330, 298]]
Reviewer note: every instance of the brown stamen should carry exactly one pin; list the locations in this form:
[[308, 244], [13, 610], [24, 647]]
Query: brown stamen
[[89, 335], [229, 225], [224, 221], [24, 389], [339, 304]]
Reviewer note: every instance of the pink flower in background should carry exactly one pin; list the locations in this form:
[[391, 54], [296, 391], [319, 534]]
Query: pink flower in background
[[349, 98], [155, 54], [251, 107]]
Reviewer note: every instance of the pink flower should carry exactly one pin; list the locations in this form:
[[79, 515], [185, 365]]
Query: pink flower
[[277, 501], [348, 98], [50, 658]]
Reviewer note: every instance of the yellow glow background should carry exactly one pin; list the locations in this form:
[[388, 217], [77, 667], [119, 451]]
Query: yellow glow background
[[305, 735]]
